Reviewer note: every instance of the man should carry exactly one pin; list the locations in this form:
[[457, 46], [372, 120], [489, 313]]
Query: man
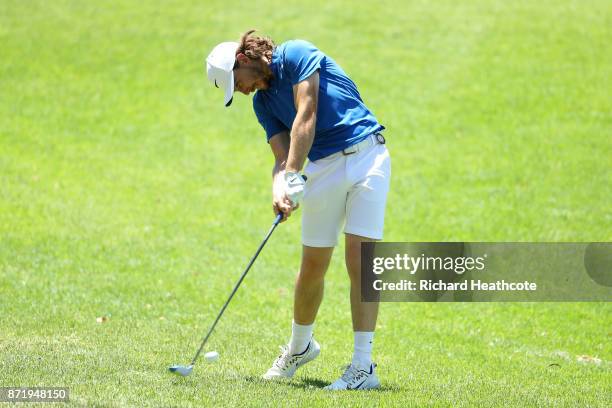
[[309, 107]]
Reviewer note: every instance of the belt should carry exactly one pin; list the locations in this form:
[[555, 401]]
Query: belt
[[374, 138]]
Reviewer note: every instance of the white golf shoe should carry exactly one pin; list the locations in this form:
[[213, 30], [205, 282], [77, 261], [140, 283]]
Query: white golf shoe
[[286, 364], [356, 378]]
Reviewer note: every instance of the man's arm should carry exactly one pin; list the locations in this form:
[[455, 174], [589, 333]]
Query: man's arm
[[279, 143], [305, 96]]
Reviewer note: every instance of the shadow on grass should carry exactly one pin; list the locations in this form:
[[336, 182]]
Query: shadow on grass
[[310, 383]]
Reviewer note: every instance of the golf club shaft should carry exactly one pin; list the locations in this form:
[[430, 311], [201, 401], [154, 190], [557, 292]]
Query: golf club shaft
[[278, 219]]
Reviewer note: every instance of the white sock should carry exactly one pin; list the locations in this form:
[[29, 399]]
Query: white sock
[[300, 337], [362, 353]]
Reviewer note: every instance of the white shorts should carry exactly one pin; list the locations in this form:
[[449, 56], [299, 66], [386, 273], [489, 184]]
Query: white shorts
[[346, 187]]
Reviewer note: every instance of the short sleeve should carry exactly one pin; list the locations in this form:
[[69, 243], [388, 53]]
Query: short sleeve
[[301, 60], [268, 121]]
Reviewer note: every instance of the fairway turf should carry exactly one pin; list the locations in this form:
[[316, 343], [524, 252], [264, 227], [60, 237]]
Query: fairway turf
[[128, 191]]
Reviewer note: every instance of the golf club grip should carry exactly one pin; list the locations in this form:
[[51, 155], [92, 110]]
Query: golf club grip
[[274, 225], [278, 218]]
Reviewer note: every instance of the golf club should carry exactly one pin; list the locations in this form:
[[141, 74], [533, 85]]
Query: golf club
[[186, 370]]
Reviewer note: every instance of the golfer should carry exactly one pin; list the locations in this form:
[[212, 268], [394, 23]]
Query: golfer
[[309, 107]]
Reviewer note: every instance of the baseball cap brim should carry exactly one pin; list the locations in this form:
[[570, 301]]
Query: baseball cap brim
[[224, 80], [228, 88], [219, 68]]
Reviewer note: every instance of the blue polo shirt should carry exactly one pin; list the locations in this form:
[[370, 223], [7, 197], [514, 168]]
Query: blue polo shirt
[[342, 117]]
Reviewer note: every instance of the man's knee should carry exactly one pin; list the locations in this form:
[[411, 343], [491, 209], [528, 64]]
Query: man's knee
[[315, 262], [353, 254], [353, 245]]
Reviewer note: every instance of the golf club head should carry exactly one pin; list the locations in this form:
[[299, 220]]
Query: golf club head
[[181, 370]]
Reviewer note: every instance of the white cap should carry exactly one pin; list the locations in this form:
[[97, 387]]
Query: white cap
[[220, 68]]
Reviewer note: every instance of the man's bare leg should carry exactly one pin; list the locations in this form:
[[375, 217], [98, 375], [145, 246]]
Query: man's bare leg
[[364, 313], [302, 347], [309, 283]]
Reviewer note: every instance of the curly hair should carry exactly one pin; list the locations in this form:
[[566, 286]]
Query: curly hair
[[255, 47]]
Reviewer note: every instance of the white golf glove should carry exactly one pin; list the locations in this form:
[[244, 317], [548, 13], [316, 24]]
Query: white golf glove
[[294, 187]]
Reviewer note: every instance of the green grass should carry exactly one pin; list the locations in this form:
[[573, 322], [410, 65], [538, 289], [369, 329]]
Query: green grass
[[125, 183]]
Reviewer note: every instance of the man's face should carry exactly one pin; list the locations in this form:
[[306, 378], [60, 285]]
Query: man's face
[[251, 76]]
